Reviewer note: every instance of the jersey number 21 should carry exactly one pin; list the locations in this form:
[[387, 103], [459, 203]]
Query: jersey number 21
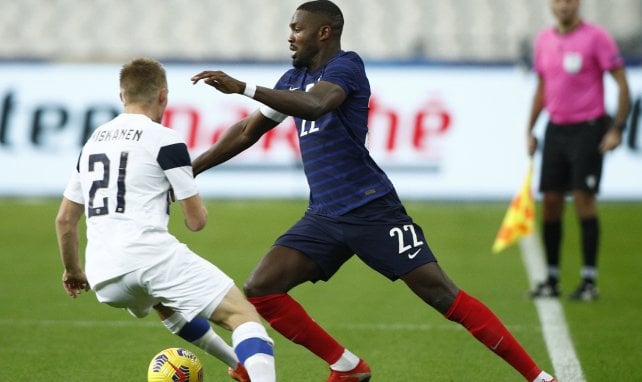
[[104, 183]]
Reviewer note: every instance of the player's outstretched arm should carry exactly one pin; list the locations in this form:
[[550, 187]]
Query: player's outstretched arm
[[306, 104], [234, 140], [73, 278], [219, 80]]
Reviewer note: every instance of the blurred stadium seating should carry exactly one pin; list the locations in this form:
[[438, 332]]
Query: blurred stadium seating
[[256, 30]]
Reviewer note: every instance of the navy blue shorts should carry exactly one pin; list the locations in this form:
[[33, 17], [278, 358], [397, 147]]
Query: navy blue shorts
[[380, 233], [571, 159]]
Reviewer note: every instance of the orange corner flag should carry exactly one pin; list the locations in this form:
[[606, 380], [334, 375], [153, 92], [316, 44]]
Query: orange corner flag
[[520, 217]]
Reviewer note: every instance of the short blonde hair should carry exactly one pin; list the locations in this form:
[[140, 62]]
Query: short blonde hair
[[141, 79]]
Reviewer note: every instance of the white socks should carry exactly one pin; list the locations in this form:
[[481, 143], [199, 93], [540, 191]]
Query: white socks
[[216, 346], [254, 349], [544, 377], [346, 362], [200, 333]]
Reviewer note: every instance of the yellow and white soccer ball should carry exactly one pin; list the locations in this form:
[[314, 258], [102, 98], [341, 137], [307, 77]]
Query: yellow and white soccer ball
[[175, 365]]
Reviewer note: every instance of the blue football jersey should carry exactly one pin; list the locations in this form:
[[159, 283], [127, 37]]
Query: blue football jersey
[[340, 172]]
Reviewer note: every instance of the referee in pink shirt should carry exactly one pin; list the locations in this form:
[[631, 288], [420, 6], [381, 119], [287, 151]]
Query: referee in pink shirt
[[570, 61]]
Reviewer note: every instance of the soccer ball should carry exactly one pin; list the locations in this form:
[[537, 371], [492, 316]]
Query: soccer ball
[[175, 365]]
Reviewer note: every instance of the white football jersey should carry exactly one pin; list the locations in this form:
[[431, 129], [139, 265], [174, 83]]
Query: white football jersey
[[122, 177]]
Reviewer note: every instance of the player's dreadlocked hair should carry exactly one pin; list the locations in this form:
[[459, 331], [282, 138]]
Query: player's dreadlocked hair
[[328, 9]]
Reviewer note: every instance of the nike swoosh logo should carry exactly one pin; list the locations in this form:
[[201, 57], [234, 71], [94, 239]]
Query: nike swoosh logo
[[497, 344], [412, 256], [293, 88]]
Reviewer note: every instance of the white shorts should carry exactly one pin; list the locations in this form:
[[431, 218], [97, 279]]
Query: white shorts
[[185, 282]]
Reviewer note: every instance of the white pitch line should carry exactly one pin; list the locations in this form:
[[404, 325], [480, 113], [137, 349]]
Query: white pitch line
[[556, 335]]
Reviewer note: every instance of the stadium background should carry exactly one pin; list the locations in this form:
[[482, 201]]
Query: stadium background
[[403, 30], [450, 81]]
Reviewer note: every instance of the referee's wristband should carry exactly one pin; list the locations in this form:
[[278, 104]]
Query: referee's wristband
[[250, 90]]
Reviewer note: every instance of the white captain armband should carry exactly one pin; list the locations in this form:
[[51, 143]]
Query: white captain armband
[[272, 114]]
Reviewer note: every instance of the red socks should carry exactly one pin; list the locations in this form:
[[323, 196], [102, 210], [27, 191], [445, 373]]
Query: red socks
[[289, 318], [482, 323]]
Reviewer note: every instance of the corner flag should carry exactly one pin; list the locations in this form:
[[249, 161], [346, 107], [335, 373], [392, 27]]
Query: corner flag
[[520, 217]]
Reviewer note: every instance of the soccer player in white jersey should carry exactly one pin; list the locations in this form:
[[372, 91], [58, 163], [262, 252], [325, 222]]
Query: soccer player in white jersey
[[121, 183]]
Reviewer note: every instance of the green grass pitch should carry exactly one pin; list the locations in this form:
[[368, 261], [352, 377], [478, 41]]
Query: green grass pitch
[[46, 336]]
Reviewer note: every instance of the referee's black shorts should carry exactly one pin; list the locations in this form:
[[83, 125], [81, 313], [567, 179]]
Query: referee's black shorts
[[571, 160]]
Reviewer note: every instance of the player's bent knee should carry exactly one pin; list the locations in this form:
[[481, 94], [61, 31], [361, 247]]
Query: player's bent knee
[[254, 287]]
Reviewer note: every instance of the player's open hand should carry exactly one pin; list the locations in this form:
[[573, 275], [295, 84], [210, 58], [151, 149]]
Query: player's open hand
[[74, 282], [220, 80]]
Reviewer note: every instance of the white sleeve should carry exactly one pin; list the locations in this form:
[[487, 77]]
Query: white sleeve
[[73, 191], [272, 114], [182, 182]]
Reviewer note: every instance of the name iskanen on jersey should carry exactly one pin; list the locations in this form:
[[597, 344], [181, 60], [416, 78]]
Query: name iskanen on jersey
[[117, 134]]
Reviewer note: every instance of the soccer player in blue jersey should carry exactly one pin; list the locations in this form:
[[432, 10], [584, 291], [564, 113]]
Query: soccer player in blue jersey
[[353, 206]]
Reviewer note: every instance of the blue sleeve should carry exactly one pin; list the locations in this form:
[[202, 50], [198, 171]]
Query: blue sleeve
[[346, 71], [174, 155]]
